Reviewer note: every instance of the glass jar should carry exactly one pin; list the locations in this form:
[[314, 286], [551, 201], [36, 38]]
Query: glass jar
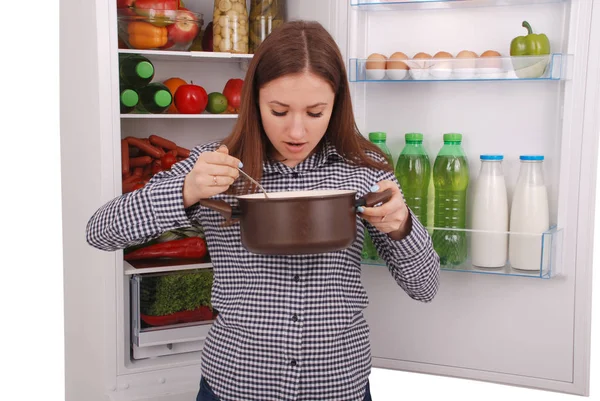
[[230, 26], [265, 15]]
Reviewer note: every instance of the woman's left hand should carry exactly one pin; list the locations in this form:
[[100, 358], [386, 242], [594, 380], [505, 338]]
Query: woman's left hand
[[392, 217]]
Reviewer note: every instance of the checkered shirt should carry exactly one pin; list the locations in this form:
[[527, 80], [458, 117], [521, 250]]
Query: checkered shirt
[[289, 327]]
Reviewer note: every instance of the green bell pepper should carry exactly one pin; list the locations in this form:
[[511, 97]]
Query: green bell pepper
[[531, 45]]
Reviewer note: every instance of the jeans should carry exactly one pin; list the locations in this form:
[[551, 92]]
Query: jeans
[[206, 393]]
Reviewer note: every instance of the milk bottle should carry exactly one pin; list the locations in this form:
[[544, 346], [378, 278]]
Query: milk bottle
[[490, 213], [529, 214]]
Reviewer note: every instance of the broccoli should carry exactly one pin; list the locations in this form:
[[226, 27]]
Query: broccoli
[[166, 294]]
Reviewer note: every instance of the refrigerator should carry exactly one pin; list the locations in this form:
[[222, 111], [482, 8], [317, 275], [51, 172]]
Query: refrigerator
[[530, 329]]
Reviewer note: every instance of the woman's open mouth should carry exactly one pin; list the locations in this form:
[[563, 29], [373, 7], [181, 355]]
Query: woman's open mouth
[[295, 147]]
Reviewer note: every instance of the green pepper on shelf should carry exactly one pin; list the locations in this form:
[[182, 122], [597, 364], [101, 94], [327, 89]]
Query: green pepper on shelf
[[537, 49]]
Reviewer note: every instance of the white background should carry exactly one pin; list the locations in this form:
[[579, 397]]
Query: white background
[[31, 285]]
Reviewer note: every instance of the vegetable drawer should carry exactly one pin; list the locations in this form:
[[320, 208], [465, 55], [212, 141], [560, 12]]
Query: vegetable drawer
[[171, 312]]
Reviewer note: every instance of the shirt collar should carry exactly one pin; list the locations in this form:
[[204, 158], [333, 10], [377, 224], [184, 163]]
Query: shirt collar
[[326, 151]]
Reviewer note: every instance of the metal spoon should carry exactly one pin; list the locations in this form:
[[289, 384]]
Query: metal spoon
[[254, 181]]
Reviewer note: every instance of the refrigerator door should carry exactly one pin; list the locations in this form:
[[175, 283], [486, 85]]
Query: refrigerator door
[[500, 326]]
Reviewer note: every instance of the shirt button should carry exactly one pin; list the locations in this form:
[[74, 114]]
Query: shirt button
[[296, 278], [295, 174], [293, 363], [295, 318]]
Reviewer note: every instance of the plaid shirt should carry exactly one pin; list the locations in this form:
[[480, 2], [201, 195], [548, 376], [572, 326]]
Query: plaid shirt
[[289, 327]]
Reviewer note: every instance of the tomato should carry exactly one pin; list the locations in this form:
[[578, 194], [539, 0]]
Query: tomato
[[167, 161], [233, 92]]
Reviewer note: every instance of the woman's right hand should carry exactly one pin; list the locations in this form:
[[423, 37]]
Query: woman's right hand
[[213, 173]]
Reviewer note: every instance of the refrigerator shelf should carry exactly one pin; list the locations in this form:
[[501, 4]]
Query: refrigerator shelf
[[165, 55], [163, 266], [553, 67], [180, 116], [383, 5], [548, 244]]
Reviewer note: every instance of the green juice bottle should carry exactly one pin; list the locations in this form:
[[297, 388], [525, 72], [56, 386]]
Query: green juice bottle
[[369, 252], [413, 172], [450, 179]]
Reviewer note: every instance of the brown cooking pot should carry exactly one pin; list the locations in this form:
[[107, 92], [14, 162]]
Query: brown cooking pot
[[297, 222]]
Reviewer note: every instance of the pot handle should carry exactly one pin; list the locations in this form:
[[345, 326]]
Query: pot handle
[[373, 198], [230, 214]]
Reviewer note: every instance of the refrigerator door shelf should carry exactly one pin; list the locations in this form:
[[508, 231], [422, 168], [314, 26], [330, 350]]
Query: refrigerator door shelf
[[383, 5], [549, 244], [553, 67]]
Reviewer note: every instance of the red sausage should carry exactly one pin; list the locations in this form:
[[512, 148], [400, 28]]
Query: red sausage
[[162, 142], [145, 147]]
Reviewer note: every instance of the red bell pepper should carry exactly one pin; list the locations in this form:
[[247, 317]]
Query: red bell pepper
[[233, 92], [185, 248]]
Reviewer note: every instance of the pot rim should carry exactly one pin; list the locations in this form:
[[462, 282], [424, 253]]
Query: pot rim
[[294, 195]]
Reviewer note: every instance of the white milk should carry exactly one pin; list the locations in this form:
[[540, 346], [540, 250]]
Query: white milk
[[490, 213], [529, 216]]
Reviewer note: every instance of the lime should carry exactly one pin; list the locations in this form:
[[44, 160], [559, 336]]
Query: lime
[[217, 103]]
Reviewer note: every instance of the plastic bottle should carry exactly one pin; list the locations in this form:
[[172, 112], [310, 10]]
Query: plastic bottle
[[128, 99], [529, 214], [450, 179], [413, 172], [490, 213], [378, 138], [135, 71], [154, 98]]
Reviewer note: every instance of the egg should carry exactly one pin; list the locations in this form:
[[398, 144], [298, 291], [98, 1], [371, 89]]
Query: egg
[[419, 65], [446, 60], [392, 64], [376, 61], [490, 59], [467, 59]]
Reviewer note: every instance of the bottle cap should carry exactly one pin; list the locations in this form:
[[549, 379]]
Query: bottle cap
[[144, 69], [532, 157], [377, 136], [491, 157], [413, 137], [129, 97], [163, 98], [452, 137]]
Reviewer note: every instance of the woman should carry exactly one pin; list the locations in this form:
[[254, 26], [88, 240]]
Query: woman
[[289, 327]]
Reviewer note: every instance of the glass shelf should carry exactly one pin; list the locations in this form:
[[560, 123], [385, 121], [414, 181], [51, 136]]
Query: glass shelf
[[166, 55], [552, 67], [180, 116], [544, 252], [383, 5]]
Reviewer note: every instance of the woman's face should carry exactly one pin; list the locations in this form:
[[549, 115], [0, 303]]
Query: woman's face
[[295, 111]]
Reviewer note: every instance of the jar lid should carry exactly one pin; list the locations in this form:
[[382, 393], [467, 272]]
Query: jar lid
[[452, 137], [413, 137], [377, 136], [532, 157], [491, 157]]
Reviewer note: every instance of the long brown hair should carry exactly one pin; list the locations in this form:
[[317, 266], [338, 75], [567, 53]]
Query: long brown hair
[[293, 48]]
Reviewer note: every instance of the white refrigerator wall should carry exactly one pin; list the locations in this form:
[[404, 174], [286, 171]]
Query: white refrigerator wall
[[513, 330]]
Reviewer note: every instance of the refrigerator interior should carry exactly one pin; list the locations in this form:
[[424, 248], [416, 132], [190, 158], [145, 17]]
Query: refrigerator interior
[[499, 326]]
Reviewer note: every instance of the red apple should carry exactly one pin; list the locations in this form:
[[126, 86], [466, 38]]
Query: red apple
[[191, 99], [185, 29]]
